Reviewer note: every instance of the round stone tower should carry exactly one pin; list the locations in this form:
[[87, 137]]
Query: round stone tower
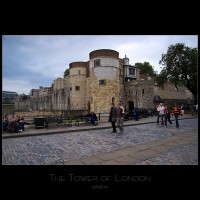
[[104, 79], [77, 76]]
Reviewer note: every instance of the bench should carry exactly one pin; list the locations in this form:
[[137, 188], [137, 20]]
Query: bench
[[85, 120], [76, 121]]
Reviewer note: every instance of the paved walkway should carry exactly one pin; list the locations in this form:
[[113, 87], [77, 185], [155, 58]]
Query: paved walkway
[[148, 144], [165, 151]]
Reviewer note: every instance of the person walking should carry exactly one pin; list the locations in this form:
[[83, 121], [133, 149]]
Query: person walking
[[176, 111], [120, 118], [113, 117], [167, 115], [161, 113]]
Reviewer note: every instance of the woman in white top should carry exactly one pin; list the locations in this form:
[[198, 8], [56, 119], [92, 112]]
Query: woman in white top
[[161, 113]]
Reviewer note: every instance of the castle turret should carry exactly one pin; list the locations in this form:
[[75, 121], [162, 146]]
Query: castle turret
[[77, 75], [104, 79], [126, 60], [130, 72]]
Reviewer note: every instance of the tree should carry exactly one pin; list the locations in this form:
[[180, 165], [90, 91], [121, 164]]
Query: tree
[[145, 68], [66, 72], [161, 79], [180, 66]]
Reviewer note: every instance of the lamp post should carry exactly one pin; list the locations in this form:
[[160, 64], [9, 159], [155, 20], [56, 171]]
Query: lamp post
[[136, 109]]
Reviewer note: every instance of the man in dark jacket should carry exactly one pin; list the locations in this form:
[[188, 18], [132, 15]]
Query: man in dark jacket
[[113, 117]]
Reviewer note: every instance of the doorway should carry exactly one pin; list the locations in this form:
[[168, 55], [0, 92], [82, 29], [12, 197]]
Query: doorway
[[131, 106]]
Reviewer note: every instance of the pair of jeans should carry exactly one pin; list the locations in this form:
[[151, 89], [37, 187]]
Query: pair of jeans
[[120, 123], [162, 119], [176, 118], [114, 127], [167, 118]]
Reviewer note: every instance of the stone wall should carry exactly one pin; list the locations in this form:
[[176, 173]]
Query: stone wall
[[88, 99], [58, 84], [170, 92], [101, 94], [78, 88], [57, 101], [60, 99], [35, 93], [145, 93], [121, 82], [97, 98], [23, 105]]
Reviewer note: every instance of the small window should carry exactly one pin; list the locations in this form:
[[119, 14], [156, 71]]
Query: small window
[[102, 82], [77, 88], [79, 72], [131, 71], [96, 62], [142, 91]]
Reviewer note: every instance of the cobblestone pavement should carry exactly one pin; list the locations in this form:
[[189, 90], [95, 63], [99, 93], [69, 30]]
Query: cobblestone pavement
[[184, 155], [61, 148]]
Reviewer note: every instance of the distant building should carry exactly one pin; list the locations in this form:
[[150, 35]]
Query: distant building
[[42, 91], [9, 95]]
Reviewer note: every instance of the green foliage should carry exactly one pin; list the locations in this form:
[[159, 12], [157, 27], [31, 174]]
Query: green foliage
[[161, 79], [180, 66], [145, 68], [66, 72]]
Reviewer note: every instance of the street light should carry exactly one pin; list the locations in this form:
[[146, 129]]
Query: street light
[[136, 109]]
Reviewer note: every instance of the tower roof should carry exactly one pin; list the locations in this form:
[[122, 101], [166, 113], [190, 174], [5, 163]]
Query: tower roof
[[104, 52]]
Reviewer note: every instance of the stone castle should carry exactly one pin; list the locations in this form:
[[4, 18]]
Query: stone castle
[[93, 85]]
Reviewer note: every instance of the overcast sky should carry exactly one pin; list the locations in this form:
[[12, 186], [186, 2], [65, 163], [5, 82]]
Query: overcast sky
[[30, 61]]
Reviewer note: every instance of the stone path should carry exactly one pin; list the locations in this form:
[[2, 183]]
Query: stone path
[[144, 144]]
